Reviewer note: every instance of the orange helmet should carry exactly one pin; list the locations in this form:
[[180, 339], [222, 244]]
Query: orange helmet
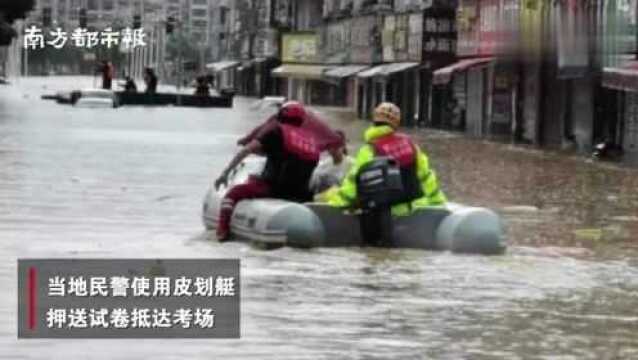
[[387, 113]]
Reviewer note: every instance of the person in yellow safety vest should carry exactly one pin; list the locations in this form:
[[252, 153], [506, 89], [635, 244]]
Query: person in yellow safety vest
[[419, 180]]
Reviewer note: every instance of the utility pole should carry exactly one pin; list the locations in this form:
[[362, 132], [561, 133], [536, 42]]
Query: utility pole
[[180, 69], [178, 37]]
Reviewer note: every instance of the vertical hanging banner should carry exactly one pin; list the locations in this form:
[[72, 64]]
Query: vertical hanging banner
[[467, 19], [530, 30], [415, 37], [401, 32], [619, 32], [439, 36], [387, 39], [572, 41], [489, 31], [510, 16]]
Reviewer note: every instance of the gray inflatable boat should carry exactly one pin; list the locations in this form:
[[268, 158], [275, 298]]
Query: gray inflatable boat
[[272, 223]]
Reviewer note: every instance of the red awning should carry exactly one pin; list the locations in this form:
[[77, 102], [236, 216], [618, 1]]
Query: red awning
[[623, 78], [444, 75]]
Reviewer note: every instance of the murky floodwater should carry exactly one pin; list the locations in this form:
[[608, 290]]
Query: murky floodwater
[[129, 183]]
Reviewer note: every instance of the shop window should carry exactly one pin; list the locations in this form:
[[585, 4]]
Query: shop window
[[199, 13], [200, 23]]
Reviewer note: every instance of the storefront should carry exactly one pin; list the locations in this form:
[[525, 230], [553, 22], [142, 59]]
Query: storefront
[[395, 83], [344, 83], [265, 84], [254, 77], [483, 93], [504, 101], [617, 100], [439, 50], [245, 78], [304, 83], [225, 73], [301, 73], [466, 84], [621, 125]]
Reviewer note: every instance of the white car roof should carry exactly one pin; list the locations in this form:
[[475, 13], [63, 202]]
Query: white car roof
[[97, 91]]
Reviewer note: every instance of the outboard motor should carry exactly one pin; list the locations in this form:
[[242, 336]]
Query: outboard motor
[[379, 186]]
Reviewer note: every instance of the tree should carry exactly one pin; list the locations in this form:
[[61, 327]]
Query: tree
[[9, 12], [13, 10]]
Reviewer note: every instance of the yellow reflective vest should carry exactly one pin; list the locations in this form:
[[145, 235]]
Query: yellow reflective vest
[[346, 195]]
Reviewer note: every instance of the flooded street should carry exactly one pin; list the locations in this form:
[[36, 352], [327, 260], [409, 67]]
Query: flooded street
[[129, 183]]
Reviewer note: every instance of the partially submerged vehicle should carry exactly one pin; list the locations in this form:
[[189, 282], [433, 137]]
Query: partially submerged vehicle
[[273, 223], [269, 103], [96, 98], [63, 97]]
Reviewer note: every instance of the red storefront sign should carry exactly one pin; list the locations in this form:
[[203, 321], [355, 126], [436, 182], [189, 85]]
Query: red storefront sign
[[498, 26]]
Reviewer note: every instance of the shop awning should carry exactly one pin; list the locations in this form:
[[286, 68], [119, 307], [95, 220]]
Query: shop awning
[[387, 69], [444, 75], [313, 72], [623, 78], [340, 72], [221, 65]]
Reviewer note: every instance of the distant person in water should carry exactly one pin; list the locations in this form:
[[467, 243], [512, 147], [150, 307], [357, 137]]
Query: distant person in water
[[129, 85], [202, 88], [210, 80], [151, 81], [107, 71]]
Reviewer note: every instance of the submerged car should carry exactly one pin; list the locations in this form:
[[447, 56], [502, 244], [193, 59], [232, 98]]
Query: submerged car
[[96, 98], [273, 223]]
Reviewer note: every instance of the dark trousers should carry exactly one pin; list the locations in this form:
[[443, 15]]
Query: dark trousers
[[106, 83]]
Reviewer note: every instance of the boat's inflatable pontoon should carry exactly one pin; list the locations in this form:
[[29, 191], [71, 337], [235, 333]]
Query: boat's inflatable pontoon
[[275, 223]]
